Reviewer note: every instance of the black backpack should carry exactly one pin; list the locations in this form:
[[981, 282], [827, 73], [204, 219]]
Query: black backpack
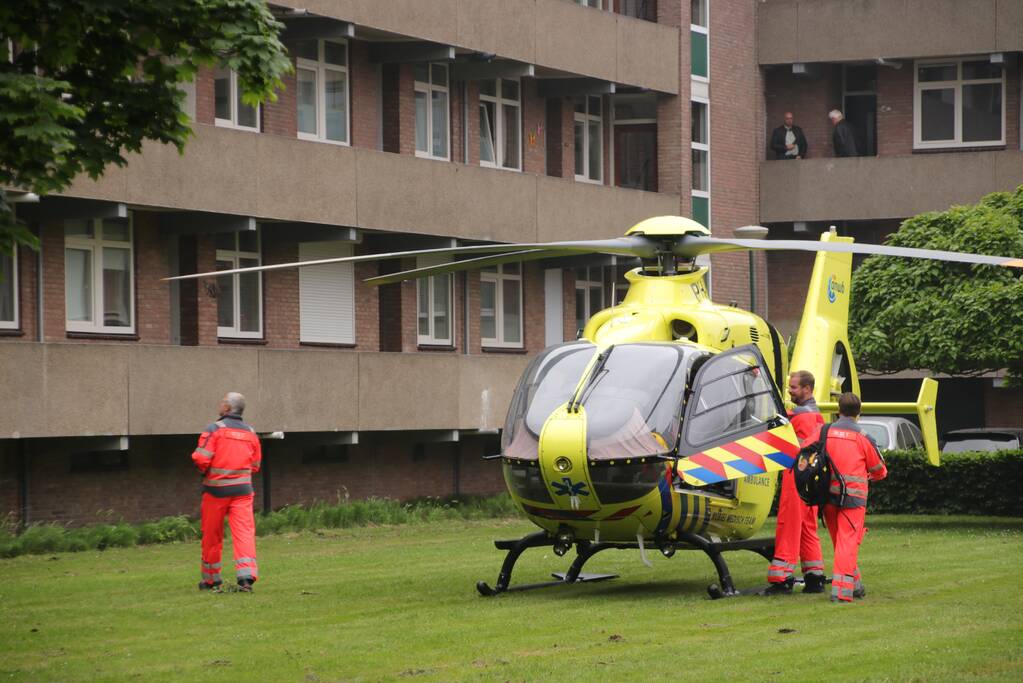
[[814, 471]]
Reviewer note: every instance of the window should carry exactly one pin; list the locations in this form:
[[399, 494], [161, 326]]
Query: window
[[322, 90], [599, 4], [635, 142], [501, 305], [326, 295], [434, 296], [590, 288], [959, 103], [500, 124], [432, 130], [229, 110], [9, 290], [589, 139], [640, 9], [239, 296], [701, 161], [98, 276], [698, 35]]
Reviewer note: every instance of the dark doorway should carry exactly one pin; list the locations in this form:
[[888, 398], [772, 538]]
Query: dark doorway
[[859, 104]]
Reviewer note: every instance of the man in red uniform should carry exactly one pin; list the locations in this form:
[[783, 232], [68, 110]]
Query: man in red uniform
[[228, 454], [855, 460], [795, 536]]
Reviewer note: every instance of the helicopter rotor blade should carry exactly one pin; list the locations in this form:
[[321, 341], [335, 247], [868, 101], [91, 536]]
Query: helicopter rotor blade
[[468, 264], [691, 247], [633, 245]]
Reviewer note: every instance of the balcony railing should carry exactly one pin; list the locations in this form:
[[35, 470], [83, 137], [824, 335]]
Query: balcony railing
[[98, 389]]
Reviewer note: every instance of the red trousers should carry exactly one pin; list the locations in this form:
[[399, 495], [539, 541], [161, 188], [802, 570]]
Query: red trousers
[[238, 510], [795, 536], [846, 526]]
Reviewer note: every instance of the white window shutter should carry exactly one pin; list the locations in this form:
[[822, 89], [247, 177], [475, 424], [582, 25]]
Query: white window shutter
[[326, 294]]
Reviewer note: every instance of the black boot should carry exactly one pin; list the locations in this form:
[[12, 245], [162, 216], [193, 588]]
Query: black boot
[[245, 585], [813, 583], [859, 591], [780, 588], [214, 587]]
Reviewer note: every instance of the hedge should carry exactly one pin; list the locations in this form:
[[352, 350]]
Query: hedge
[[964, 484], [50, 538]]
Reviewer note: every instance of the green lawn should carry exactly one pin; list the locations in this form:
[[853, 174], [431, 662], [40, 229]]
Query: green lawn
[[945, 602]]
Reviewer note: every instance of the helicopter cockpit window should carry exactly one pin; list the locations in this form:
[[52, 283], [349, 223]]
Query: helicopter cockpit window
[[734, 394], [549, 382], [633, 400]]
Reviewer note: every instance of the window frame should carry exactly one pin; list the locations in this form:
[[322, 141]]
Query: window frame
[[584, 287], [233, 121], [235, 255], [319, 67], [431, 338], [499, 278], [15, 322], [702, 147], [497, 134], [956, 85], [705, 30], [429, 88], [95, 245], [586, 118], [637, 123]]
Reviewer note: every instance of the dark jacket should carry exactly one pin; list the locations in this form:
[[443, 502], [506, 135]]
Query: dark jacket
[[778, 142], [844, 140]]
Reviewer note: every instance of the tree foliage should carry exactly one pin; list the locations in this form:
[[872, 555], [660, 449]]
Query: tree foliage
[[88, 81], [953, 318]]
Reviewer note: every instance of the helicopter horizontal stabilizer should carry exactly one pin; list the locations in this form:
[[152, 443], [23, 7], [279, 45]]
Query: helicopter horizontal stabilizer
[[766, 452]]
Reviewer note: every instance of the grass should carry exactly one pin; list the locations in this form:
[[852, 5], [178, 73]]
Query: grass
[[398, 602]]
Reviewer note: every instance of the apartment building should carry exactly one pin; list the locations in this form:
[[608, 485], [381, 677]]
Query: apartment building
[[932, 89], [428, 123]]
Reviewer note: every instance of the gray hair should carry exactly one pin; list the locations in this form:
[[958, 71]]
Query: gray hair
[[835, 114], [235, 401]]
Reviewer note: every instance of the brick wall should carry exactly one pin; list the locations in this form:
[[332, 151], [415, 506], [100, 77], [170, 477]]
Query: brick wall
[[152, 296], [560, 139], [365, 96], [1003, 407], [399, 109], [534, 124], [736, 144], [790, 276], [160, 479], [205, 104], [281, 117], [894, 110], [281, 323], [809, 99]]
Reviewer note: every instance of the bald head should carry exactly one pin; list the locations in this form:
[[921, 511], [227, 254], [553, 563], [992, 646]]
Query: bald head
[[233, 403]]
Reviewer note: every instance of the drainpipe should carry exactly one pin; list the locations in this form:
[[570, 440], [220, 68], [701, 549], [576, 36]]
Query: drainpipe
[[22, 467], [40, 333]]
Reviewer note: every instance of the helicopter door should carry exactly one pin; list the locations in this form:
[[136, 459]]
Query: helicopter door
[[733, 421]]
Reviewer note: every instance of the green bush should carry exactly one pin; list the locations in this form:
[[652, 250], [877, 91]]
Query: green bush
[[964, 484]]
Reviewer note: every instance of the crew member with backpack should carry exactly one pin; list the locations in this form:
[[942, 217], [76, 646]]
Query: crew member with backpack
[[795, 535], [835, 471]]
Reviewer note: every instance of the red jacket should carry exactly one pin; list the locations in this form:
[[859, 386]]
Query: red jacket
[[806, 421], [228, 453], [855, 459]]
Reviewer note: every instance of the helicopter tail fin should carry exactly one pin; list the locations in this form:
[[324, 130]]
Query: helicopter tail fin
[[923, 409], [822, 343]]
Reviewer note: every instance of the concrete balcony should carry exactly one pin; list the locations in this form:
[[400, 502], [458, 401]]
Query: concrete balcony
[[864, 188], [553, 34], [108, 389], [271, 177], [838, 30]]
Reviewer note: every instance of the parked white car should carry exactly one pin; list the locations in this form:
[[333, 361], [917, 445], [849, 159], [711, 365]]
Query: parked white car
[[891, 433]]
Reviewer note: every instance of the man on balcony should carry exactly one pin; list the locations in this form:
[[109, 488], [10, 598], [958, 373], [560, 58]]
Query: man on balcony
[[788, 141], [843, 137]]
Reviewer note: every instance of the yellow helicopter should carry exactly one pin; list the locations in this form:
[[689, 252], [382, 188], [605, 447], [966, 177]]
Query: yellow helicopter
[[663, 425]]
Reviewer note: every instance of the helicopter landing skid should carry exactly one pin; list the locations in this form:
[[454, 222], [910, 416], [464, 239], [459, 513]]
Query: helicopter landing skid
[[585, 550], [725, 588]]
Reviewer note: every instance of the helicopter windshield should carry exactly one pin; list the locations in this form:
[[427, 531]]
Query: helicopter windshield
[[633, 400], [549, 381]]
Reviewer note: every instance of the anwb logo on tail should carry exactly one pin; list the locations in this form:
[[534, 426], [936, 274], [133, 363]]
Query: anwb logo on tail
[[834, 288]]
